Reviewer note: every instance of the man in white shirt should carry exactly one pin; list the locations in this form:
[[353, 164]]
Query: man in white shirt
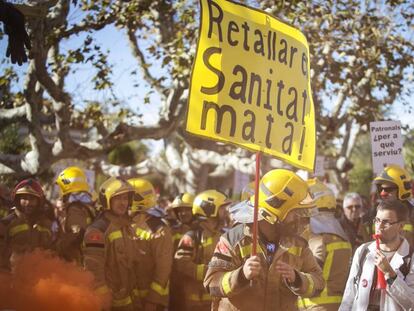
[[394, 259]]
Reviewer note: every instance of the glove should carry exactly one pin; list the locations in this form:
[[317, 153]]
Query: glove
[[14, 27]]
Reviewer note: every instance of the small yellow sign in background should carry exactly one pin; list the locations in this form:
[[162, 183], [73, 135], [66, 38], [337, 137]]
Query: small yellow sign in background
[[250, 84]]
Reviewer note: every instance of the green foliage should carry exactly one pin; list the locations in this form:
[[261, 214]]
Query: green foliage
[[128, 154], [360, 180], [10, 143], [408, 152], [361, 176], [8, 77], [102, 79], [122, 155]]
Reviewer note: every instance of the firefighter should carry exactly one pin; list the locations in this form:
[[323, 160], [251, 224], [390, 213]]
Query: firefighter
[[27, 227], [154, 242], [78, 212], [331, 248], [182, 208], [4, 201], [395, 183], [109, 245], [196, 248], [284, 266]]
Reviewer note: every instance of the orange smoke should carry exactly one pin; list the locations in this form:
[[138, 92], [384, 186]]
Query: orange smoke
[[43, 282]]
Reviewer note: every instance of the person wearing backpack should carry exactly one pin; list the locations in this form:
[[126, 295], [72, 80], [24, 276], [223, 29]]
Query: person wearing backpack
[[394, 259]]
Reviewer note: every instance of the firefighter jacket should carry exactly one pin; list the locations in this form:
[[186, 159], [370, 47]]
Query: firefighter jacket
[[353, 231], [78, 216], [153, 242], [108, 254], [4, 211], [21, 235], [176, 291], [332, 251], [408, 229], [194, 252], [177, 232], [398, 295], [226, 282]]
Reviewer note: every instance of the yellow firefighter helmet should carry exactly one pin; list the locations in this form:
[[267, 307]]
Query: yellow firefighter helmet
[[322, 195], [144, 195], [399, 177], [281, 191], [183, 200], [72, 179], [111, 188], [207, 203]]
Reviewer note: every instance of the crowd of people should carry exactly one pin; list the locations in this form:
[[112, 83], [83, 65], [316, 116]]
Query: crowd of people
[[197, 253]]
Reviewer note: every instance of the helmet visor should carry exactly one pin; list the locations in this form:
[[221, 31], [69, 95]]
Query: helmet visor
[[138, 197], [269, 217], [208, 208]]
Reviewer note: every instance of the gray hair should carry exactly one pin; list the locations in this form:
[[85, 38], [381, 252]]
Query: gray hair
[[351, 196]]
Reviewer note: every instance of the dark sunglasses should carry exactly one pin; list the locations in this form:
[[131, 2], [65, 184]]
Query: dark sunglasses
[[387, 189]]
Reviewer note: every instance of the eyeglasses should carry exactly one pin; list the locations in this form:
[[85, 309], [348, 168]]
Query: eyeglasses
[[356, 206], [385, 223], [387, 189]]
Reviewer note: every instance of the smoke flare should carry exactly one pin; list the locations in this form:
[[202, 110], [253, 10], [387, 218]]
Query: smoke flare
[[43, 282]]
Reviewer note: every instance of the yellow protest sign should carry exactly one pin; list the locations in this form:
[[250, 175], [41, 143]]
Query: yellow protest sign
[[250, 84]]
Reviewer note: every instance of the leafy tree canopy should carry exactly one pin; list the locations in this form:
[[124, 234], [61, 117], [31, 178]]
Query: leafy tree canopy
[[361, 61]]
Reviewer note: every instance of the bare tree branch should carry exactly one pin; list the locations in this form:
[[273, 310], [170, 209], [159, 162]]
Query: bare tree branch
[[61, 100], [88, 25], [139, 56], [125, 133]]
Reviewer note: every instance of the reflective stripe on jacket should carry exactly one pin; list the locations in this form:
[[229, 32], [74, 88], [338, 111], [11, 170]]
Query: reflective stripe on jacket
[[20, 236], [109, 255], [153, 241], [194, 252], [333, 255]]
